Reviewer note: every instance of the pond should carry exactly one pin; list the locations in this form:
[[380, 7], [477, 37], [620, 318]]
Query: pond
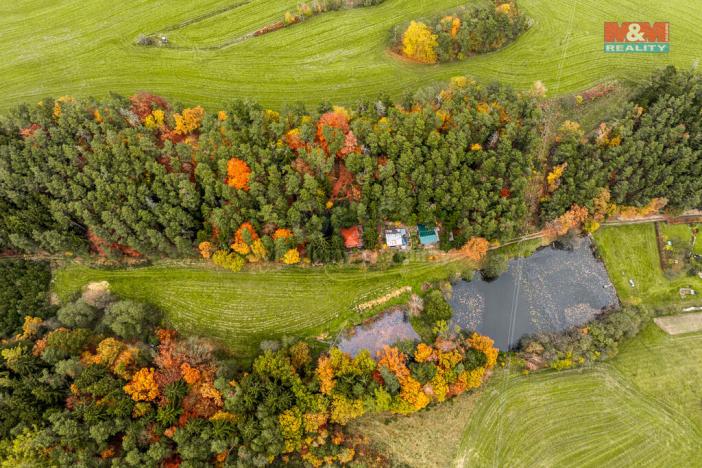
[[554, 289], [391, 327]]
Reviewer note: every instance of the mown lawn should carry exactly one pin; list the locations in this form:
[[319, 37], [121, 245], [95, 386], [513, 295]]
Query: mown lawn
[[64, 47], [241, 309], [630, 252], [643, 408]]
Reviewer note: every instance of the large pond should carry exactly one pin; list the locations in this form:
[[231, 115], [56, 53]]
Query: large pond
[[552, 290]]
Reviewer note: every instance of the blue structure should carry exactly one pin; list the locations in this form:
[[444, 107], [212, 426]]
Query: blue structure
[[428, 235]]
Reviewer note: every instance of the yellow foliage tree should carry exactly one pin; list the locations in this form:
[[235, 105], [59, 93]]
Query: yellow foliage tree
[[291, 257], [486, 345], [419, 43], [423, 352], [344, 410], [30, 327], [554, 177], [188, 121]]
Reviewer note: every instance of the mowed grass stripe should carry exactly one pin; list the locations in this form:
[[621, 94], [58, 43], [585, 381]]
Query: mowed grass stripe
[[88, 49], [576, 418], [241, 309]]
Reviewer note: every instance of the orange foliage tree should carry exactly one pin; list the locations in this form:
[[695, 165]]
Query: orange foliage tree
[[571, 219], [143, 386], [238, 174], [475, 249]]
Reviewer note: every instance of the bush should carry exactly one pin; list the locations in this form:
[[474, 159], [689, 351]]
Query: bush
[[597, 340], [77, 314], [399, 257], [229, 260], [495, 265], [130, 319], [436, 308]]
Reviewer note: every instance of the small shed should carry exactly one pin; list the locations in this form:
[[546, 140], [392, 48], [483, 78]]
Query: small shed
[[353, 237], [428, 235], [687, 292], [397, 238]]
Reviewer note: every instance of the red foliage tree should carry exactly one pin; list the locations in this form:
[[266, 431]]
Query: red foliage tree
[[145, 103]]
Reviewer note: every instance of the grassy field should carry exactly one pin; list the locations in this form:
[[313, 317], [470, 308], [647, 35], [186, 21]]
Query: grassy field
[[241, 309], [66, 47], [429, 438], [642, 409], [630, 252]]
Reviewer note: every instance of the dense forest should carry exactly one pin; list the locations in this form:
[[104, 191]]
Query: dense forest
[[24, 288], [138, 176], [99, 384], [650, 155]]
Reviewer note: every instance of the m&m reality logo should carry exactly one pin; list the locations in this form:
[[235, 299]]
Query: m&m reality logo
[[637, 37]]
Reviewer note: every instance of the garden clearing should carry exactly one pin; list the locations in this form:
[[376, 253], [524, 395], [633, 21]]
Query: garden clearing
[[631, 253], [83, 49]]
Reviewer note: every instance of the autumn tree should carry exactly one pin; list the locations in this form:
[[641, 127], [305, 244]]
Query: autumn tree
[[419, 43]]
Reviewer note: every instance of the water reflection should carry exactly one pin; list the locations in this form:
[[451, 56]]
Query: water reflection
[[388, 329], [557, 289]]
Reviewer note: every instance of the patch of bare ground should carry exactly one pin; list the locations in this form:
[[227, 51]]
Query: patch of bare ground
[[679, 324]]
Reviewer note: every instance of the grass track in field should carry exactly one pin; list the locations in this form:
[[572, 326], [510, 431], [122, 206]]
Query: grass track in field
[[241, 309], [87, 48], [643, 409]]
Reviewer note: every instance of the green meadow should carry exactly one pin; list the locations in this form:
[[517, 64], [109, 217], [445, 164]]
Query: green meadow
[[630, 252], [242, 309], [640, 409], [64, 47]]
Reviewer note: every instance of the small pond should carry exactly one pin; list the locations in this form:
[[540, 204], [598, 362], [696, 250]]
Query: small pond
[[389, 328], [557, 289]]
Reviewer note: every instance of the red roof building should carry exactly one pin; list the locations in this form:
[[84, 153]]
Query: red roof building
[[353, 237]]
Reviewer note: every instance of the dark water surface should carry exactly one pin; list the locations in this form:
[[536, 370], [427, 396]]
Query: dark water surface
[[557, 289]]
